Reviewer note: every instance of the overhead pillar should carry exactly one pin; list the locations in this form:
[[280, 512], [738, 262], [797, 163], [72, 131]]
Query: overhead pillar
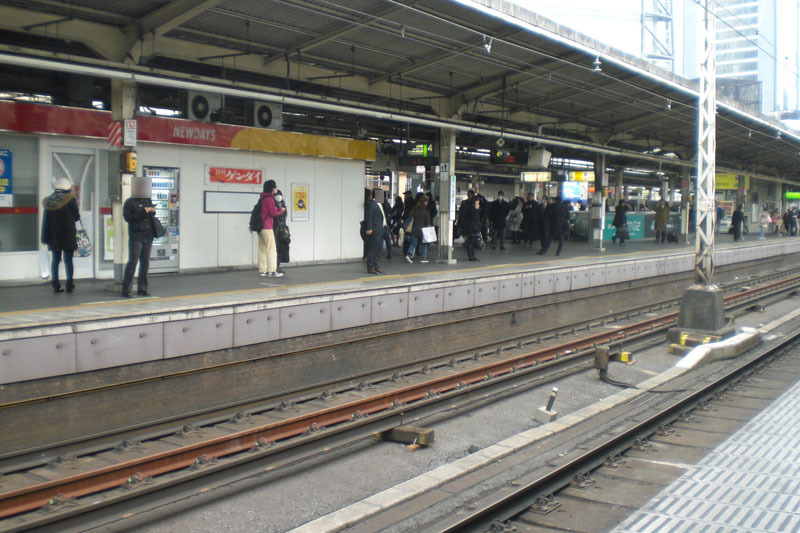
[[686, 179], [702, 307], [598, 212], [123, 107], [447, 194]]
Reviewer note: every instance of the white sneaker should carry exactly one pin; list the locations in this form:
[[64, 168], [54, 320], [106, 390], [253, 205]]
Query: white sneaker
[[276, 274], [262, 274], [408, 258], [424, 261]]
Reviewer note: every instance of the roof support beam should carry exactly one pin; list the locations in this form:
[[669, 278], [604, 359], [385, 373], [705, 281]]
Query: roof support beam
[[337, 32], [166, 18]]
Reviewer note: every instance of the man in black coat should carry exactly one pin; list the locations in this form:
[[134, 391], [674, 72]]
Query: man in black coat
[[529, 214], [138, 211], [58, 230], [737, 221], [499, 213], [374, 224], [557, 216]]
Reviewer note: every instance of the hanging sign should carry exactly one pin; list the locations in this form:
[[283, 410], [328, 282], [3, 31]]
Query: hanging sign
[[6, 179], [299, 202], [129, 136]]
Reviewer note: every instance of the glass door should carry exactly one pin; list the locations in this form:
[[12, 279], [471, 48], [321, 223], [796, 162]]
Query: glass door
[[79, 167]]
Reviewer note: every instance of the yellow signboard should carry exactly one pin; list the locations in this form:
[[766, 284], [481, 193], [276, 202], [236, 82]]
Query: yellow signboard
[[586, 175], [299, 202], [730, 182]]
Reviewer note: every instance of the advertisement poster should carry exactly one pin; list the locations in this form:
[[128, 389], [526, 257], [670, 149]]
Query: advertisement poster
[[234, 176], [108, 241], [299, 202], [6, 179]]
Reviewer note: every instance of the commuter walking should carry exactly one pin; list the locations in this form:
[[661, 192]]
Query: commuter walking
[[397, 219], [282, 236], [621, 223], [138, 211], [58, 231], [737, 221], [387, 232], [422, 219], [764, 222], [514, 220], [267, 249], [484, 213], [471, 225], [529, 215], [662, 219], [498, 214], [433, 211], [557, 214]]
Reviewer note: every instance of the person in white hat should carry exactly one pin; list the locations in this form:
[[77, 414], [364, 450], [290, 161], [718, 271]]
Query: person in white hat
[[59, 232]]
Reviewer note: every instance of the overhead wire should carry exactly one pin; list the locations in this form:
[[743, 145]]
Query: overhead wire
[[432, 38]]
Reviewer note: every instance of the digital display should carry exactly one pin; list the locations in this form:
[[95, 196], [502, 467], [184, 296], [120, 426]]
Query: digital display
[[574, 191]]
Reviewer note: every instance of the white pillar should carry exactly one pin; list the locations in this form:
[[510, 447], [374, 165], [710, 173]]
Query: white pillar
[[447, 195]]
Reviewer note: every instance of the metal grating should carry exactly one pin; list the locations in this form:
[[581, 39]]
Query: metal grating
[[750, 483]]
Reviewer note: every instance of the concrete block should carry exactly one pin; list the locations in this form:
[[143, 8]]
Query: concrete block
[[255, 327], [580, 278], [425, 302], [702, 308], [510, 289], [528, 285], [544, 283], [562, 280], [350, 313], [459, 297], [543, 416], [536, 434], [598, 276], [306, 319], [198, 335], [38, 357], [393, 306], [118, 346], [487, 292]]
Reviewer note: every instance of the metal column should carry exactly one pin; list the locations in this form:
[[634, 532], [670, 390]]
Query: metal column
[[702, 306], [706, 155]]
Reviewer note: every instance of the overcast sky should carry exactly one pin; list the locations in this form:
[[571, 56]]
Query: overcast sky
[[614, 22]]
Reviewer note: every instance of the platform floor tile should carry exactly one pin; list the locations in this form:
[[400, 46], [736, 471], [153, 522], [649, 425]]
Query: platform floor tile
[[748, 483]]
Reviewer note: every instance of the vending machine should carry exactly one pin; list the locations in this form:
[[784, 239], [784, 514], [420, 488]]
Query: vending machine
[[165, 187]]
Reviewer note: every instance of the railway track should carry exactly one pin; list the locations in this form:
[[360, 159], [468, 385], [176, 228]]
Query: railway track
[[526, 507], [39, 495]]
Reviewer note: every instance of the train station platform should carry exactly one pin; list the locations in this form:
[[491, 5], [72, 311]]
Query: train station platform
[[749, 483], [45, 334]]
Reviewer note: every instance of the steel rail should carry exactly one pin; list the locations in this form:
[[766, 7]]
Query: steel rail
[[505, 507], [73, 486]]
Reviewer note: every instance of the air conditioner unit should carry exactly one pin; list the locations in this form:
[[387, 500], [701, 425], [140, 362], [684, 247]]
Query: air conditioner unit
[[539, 157], [267, 115], [199, 106]]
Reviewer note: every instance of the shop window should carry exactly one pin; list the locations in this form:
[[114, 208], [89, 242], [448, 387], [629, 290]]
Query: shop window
[[19, 207]]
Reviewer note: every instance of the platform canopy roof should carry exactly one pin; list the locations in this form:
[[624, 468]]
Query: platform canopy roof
[[387, 67]]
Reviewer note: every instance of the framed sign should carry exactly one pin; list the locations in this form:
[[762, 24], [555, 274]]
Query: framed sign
[[300, 202], [218, 175], [229, 202]]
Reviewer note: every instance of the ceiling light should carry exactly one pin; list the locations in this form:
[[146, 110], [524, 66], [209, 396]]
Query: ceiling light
[[669, 105], [488, 45], [596, 65]]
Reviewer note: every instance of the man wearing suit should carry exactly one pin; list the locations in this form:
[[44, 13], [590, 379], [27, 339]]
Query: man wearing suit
[[375, 224]]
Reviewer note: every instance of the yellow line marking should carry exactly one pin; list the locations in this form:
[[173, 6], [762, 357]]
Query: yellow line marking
[[89, 305]]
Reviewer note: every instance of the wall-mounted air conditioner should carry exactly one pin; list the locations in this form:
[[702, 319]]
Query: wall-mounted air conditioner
[[267, 115], [199, 106]]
